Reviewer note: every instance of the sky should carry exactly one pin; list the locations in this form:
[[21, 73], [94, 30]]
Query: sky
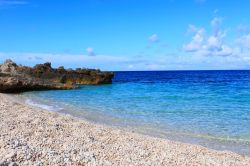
[[126, 35]]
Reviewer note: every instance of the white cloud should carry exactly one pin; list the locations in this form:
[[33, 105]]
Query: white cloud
[[154, 38], [224, 50], [197, 40], [213, 45], [90, 51], [215, 24], [205, 51], [192, 29]]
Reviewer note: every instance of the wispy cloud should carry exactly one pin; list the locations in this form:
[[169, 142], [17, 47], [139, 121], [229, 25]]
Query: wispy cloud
[[70, 60], [120, 62], [197, 40], [12, 2], [200, 1], [243, 29], [216, 25], [154, 38], [90, 51], [244, 40]]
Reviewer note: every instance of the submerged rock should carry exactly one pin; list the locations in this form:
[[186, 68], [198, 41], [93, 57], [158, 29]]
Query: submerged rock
[[17, 78]]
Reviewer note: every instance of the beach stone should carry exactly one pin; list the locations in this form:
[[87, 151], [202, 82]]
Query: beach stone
[[84, 143], [4, 163]]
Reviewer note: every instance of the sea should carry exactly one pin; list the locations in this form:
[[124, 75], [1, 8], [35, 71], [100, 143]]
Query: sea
[[209, 108]]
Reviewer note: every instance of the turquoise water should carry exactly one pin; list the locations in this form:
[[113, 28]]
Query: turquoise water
[[210, 105]]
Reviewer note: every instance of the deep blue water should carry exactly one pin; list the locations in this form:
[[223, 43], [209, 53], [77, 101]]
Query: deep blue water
[[205, 104]]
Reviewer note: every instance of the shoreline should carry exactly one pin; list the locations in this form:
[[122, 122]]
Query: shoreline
[[239, 146], [31, 135]]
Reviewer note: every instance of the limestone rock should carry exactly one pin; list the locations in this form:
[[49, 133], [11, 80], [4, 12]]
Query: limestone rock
[[8, 67], [17, 78]]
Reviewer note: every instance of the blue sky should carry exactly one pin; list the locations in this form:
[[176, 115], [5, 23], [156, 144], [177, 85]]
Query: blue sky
[[127, 34]]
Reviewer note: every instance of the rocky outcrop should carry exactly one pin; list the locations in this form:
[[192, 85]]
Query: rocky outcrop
[[17, 78]]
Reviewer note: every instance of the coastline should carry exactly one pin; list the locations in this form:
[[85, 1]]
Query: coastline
[[237, 145], [31, 136]]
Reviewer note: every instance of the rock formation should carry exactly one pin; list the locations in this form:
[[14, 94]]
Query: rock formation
[[17, 78]]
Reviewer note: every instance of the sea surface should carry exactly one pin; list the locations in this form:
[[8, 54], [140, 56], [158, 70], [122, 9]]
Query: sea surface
[[210, 108]]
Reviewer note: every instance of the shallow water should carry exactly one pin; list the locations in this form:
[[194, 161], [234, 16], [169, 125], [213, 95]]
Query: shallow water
[[211, 108]]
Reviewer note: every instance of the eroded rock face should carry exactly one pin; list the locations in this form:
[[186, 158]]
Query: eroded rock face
[[17, 78], [8, 67]]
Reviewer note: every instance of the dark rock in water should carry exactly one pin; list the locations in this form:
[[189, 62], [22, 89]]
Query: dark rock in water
[[17, 78]]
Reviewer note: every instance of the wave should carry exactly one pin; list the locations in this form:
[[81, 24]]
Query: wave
[[54, 108]]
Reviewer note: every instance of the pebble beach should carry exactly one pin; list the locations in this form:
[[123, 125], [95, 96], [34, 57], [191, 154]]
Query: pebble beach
[[32, 136]]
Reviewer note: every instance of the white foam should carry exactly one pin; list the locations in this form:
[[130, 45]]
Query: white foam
[[54, 108]]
